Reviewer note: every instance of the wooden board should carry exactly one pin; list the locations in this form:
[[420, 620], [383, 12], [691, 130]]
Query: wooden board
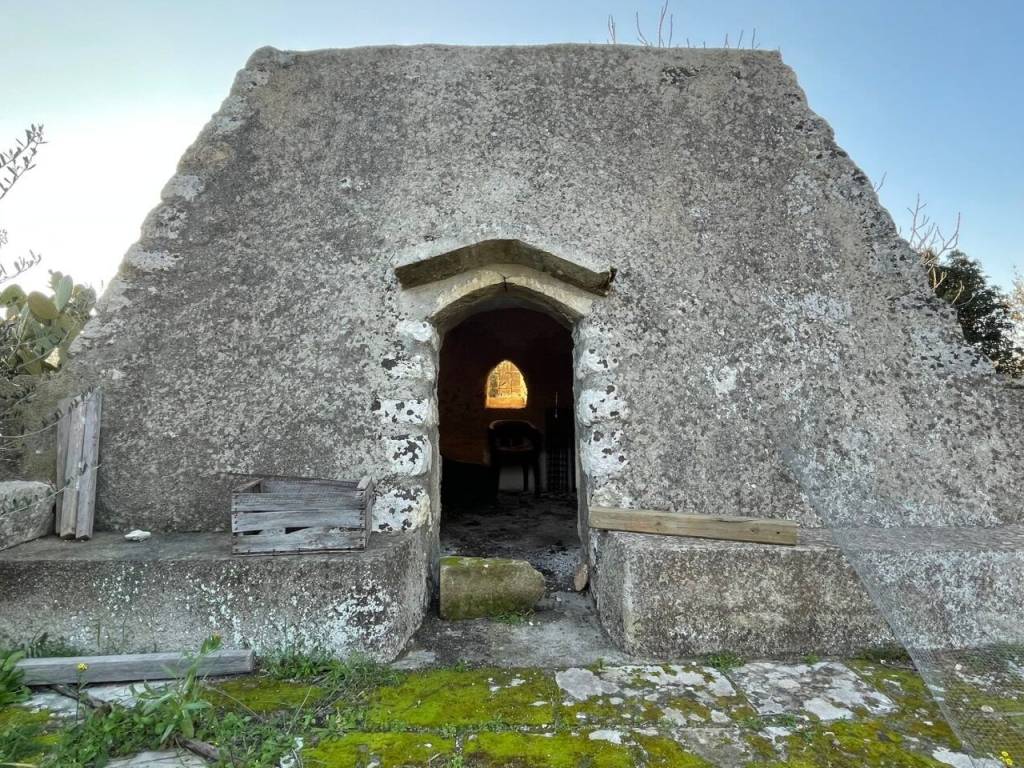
[[78, 440], [136, 666], [63, 408], [297, 501], [68, 511], [243, 522], [304, 540], [90, 461], [755, 529]]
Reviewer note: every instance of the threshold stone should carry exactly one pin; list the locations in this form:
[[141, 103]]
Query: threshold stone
[[481, 587]]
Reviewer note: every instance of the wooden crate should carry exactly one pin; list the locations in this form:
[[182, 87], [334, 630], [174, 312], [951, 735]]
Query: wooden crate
[[273, 516]]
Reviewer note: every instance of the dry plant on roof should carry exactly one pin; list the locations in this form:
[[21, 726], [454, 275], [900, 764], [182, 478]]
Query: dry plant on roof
[[665, 32], [930, 243]]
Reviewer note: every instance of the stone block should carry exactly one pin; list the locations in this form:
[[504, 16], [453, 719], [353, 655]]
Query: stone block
[[478, 587], [663, 596], [26, 511], [171, 592]]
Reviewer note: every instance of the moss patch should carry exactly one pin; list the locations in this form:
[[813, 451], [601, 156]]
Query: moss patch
[[263, 695], [388, 750], [851, 744], [916, 713], [663, 752], [23, 735], [481, 698], [531, 750]]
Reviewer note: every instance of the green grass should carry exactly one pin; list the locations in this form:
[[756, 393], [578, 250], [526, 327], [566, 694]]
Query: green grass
[[723, 661]]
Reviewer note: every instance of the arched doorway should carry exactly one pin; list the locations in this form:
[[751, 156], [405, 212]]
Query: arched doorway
[[507, 438]]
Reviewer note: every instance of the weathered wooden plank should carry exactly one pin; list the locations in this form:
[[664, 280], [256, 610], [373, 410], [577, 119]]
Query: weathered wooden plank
[[72, 471], [305, 540], [730, 528], [253, 486], [90, 461], [273, 485], [366, 486], [290, 502], [63, 409], [138, 666], [257, 521]]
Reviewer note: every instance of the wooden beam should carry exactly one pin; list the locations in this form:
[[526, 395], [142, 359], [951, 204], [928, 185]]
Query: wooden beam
[[132, 667], [92, 406], [729, 528]]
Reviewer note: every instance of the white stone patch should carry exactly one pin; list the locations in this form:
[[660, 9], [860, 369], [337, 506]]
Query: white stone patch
[[165, 222], [581, 684], [600, 455], [231, 115], [56, 704], [401, 509], [615, 737], [723, 380], [828, 690], [409, 455], [821, 307], [185, 186], [416, 368], [407, 411], [590, 361], [420, 332], [248, 79], [161, 759], [149, 261], [124, 694], [776, 732], [294, 759], [674, 716], [825, 710], [960, 760], [596, 405]]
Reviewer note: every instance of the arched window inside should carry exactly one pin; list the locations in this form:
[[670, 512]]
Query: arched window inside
[[506, 387]]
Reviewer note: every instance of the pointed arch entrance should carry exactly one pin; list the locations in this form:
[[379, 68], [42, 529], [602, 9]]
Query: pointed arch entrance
[[498, 300]]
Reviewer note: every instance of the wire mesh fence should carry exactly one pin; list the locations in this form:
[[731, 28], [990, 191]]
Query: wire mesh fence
[[952, 597]]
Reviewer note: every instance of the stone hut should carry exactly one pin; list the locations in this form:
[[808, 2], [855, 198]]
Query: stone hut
[[743, 332]]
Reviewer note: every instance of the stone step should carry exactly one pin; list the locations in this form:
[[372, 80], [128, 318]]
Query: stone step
[[674, 596], [482, 587], [176, 589]]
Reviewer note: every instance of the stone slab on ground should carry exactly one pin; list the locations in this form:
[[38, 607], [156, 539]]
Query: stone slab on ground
[[26, 511], [478, 587], [826, 690], [163, 759], [174, 590]]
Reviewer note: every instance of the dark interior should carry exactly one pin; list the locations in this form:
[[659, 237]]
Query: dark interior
[[492, 502]]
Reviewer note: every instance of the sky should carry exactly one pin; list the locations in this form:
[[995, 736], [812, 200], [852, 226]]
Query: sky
[[926, 94]]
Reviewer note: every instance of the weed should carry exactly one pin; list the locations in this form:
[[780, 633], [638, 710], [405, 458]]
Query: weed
[[894, 654], [12, 689], [723, 660], [297, 664], [753, 723], [811, 659]]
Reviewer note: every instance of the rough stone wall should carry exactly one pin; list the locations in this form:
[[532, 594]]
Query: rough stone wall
[[767, 330]]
